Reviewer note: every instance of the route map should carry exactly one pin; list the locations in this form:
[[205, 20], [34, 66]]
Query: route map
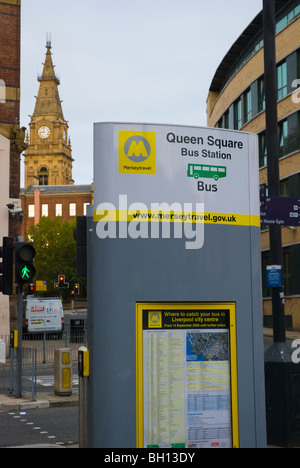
[[207, 347]]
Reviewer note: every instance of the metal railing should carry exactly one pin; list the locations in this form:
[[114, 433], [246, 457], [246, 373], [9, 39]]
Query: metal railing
[[47, 343], [37, 349], [29, 371], [4, 364]]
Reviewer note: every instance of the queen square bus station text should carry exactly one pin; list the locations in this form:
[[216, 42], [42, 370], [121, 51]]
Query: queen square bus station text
[[220, 145]]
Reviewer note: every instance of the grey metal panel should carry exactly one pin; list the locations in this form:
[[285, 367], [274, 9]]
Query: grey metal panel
[[127, 271]]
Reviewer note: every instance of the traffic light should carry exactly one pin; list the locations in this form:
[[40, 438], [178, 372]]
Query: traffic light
[[76, 289], [6, 267], [62, 282], [80, 235], [25, 271]]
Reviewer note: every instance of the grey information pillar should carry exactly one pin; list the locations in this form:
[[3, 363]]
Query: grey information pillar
[[156, 164]]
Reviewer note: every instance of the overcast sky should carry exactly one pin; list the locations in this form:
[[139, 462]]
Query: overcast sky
[[128, 60]]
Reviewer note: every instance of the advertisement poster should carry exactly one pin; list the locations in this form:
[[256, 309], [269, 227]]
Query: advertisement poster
[[187, 380]]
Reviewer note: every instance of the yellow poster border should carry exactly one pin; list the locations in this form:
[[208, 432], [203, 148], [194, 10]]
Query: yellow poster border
[[140, 307]]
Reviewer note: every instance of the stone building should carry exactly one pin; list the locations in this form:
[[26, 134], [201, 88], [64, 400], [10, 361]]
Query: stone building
[[49, 185], [236, 101]]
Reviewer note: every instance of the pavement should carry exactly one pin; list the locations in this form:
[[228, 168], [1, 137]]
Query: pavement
[[50, 400], [290, 335], [44, 400]]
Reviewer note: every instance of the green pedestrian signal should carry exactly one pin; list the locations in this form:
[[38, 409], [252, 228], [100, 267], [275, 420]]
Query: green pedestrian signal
[[25, 271]]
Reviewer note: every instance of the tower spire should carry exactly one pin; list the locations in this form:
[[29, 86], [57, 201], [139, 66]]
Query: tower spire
[[48, 157], [48, 40], [48, 100]]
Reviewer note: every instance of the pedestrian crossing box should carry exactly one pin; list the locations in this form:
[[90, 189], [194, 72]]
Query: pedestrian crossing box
[[63, 372]]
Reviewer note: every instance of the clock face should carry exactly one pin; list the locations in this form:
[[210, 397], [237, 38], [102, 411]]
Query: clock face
[[44, 132]]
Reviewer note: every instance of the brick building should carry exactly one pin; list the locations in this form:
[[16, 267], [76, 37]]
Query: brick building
[[10, 38], [236, 101], [11, 136], [66, 201]]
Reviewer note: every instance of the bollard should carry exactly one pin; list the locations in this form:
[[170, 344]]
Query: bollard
[[63, 372]]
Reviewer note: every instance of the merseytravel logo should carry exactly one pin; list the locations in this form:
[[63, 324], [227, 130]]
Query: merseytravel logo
[[155, 319], [137, 152]]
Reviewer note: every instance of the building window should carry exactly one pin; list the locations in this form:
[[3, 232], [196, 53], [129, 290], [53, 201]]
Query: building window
[[43, 176], [282, 80], [261, 95], [224, 121], [72, 209], [247, 106], [238, 119], [263, 155], [85, 205], [283, 138], [290, 187], [31, 211], [220, 123], [289, 139], [45, 211], [2, 92], [281, 24], [58, 209]]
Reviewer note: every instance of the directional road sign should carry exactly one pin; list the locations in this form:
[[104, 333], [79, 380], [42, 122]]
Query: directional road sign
[[283, 211]]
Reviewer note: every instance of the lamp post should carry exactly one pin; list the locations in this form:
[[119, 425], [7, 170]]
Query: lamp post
[[273, 160]]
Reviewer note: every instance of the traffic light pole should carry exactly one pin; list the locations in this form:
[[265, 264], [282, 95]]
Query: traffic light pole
[[20, 344]]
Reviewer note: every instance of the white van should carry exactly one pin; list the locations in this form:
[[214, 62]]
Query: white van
[[44, 315]]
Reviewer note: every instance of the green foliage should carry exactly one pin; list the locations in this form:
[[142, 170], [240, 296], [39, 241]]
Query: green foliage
[[55, 252]]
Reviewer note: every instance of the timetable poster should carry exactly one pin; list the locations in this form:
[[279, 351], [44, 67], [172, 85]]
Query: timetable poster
[[187, 379]]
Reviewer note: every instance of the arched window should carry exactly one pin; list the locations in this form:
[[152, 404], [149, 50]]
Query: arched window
[[2, 92], [43, 176]]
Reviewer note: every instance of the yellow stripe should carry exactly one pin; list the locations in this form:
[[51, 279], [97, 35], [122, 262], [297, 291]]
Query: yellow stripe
[[139, 378], [177, 217], [234, 377]]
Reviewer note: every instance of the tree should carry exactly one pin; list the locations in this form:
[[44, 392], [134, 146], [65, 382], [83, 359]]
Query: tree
[[55, 252]]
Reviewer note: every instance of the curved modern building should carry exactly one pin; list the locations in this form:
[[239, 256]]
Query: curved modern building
[[236, 101]]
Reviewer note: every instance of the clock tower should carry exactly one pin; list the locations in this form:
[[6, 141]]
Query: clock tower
[[48, 158]]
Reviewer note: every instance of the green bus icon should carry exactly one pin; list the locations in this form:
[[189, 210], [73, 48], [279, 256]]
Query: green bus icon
[[201, 171]]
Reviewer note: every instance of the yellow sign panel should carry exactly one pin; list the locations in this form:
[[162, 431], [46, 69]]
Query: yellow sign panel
[[187, 395], [86, 363], [41, 286], [137, 152], [66, 378]]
